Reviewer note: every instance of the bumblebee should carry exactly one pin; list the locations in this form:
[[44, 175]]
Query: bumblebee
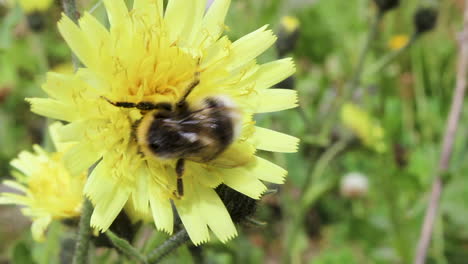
[[198, 133]]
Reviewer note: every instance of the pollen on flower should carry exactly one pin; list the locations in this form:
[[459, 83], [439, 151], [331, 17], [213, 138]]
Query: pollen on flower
[[46, 189], [154, 57]]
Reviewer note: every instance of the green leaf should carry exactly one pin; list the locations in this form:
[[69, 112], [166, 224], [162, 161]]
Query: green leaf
[[22, 254]]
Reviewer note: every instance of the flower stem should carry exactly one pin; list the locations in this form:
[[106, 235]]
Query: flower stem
[[447, 144], [125, 247], [356, 79], [168, 246], [84, 234], [386, 60]]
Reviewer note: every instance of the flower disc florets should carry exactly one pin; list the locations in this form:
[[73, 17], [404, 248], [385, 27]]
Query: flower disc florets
[[48, 191], [151, 55]]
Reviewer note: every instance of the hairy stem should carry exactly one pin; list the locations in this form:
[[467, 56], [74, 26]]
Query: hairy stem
[[168, 246], [84, 234], [447, 144], [125, 247]]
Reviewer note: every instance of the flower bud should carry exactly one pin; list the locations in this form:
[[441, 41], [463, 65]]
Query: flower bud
[[35, 21], [425, 19], [354, 185], [238, 205], [288, 35], [386, 5]]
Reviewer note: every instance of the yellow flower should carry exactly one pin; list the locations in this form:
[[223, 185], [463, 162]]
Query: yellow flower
[[30, 6], [151, 55], [48, 191], [397, 42], [290, 23], [364, 126]]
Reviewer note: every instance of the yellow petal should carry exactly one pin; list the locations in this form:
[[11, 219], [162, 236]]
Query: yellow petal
[[238, 154], [214, 212], [269, 140], [15, 185], [116, 11], [250, 46], [108, 196], [178, 17], [80, 157], [26, 163], [77, 40], [190, 214], [244, 182], [161, 209], [216, 53], [52, 108], [213, 22], [105, 211], [58, 86], [151, 7], [274, 72], [39, 227], [193, 26], [203, 175], [140, 194], [96, 34], [273, 100], [267, 171], [12, 198]]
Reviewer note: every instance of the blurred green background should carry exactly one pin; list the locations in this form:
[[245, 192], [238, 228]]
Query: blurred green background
[[357, 189]]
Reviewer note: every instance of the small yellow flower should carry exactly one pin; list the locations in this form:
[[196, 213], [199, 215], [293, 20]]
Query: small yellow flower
[[150, 55], [30, 6], [398, 41], [364, 126], [48, 191], [290, 23]]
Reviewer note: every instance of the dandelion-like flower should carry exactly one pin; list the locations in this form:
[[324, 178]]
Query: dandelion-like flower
[[153, 55], [47, 190], [398, 41]]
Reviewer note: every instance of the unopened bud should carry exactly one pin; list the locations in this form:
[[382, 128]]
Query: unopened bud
[[287, 35], [35, 21], [354, 185], [425, 19], [386, 5]]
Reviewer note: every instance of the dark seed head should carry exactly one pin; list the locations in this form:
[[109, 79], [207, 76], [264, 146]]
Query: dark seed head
[[36, 21], [425, 19], [238, 205], [386, 5], [288, 35]]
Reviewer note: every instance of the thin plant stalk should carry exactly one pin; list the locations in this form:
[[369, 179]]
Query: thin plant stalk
[[447, 145], [168, 247], [84, 234]]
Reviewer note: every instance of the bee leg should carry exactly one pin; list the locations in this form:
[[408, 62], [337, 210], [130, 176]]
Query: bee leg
[[180, 168]]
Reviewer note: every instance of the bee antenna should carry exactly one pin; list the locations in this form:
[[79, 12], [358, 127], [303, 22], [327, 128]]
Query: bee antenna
[[192, 85]]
